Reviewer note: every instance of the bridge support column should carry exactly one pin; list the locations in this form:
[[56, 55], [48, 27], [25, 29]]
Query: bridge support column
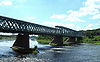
[[22, 40], [58, 40], [70, 40]]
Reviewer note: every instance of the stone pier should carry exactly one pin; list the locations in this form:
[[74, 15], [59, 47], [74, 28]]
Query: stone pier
[[71, 40], [22, 40], [58, 40]]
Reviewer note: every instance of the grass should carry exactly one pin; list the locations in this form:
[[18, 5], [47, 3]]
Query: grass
[[93, 42], [7, 37], [43, 41]]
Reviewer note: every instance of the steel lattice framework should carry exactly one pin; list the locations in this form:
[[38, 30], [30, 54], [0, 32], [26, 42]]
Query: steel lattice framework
[[17, 26]]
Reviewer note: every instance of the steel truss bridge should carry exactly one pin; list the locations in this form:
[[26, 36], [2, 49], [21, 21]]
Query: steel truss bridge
[[10, 25], [18, 26]]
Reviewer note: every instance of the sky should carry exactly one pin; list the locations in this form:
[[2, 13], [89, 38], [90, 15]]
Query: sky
[[74, 14]]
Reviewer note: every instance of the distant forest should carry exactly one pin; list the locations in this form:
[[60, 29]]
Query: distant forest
[[92, 35]]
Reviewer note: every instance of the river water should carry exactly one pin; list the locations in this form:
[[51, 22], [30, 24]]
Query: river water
[[47, 53]]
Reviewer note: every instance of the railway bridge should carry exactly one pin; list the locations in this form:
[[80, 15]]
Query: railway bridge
[[10, 25]]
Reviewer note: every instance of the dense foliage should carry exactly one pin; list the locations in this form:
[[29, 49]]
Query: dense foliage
[[44, 39], [92, 36]]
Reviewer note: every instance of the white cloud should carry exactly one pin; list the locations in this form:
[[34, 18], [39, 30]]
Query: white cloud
[[53, 24], [6, 3], [89, 27], [91, 7], [97, 16], [75, 13], [88, 11], [92, 3], [92, 26], [21, 1], [74, 19], [73, 16]]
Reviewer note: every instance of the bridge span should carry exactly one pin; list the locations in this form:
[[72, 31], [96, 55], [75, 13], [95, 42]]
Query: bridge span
[[24, 29]]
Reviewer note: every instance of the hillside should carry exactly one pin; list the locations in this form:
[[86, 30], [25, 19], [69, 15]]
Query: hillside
[[92, 36]]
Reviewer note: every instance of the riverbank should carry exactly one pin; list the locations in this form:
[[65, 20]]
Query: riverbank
[[93, 42], [43, 41], [7, 37], [48, 42]]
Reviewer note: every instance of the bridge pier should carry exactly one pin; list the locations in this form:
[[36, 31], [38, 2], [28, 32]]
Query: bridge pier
[[58, 40], [22, 40], [70, 40], [21, 44]]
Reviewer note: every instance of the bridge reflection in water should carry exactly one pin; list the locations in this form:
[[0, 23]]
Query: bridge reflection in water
[[24, 29]]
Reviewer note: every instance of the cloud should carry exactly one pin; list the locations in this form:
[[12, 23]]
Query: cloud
[[88, 11], [21, 1], [90, 8], [74, 19], [89, 26], [53, 24], [97, 16], [6, 3], [92, 3], [71, 26], [93, 7]]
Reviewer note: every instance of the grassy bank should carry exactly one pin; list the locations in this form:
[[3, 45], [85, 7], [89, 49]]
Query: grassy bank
[[7, 37], [44, 41], [93, 39], [94, 42], [92, 36]]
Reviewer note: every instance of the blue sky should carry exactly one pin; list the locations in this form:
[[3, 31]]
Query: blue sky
[[74, 14]]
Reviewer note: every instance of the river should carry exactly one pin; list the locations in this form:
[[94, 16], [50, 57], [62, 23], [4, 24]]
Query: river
[[47, 53]]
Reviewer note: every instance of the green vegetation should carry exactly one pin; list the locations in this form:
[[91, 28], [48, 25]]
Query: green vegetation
[[7, 37], [92, 36], [43, 39]]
